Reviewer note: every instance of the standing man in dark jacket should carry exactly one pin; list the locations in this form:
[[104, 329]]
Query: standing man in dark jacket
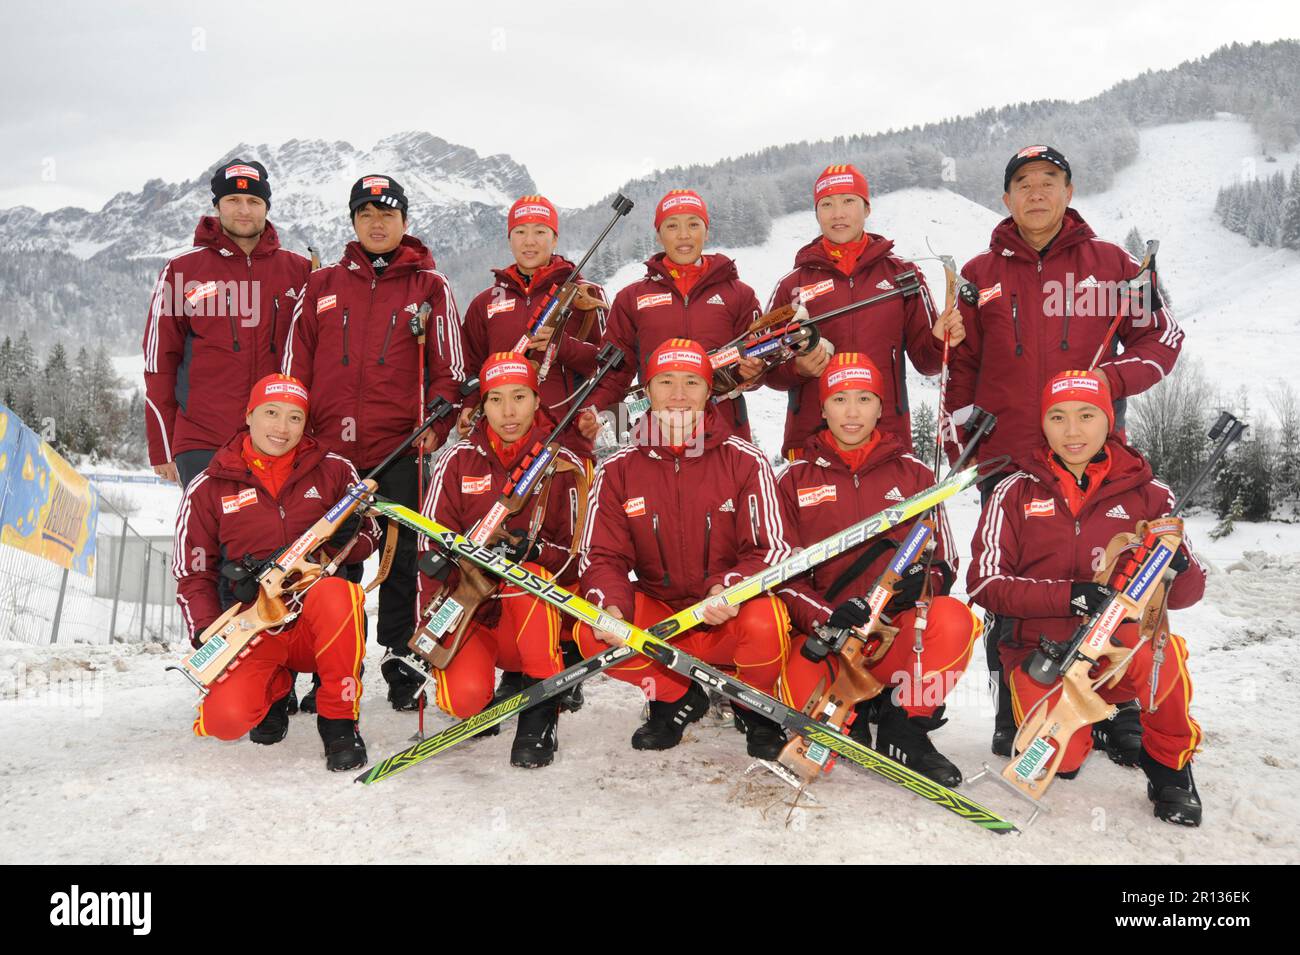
[[218, 320], [1049, 290], [353, 346]]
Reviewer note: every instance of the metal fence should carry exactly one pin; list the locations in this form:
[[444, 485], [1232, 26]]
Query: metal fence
[[130, 598]]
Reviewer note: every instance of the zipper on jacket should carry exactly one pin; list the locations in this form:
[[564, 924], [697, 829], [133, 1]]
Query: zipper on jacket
[[275, 317], [392, 323], [708, 529], [230, 315], [898, 380], [753, 518], [345, 336], [1015, 324], [1065, 327], [663, 556]]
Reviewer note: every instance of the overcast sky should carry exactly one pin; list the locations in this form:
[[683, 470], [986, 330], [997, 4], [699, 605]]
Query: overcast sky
[[100, 96]]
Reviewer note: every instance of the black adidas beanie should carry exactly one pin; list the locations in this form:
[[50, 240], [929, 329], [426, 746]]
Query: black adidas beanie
[[241, 178]]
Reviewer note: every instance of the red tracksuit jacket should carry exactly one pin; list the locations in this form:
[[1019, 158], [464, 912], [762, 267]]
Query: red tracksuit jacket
[[227, 513], [352, 346], [218, 321], [883, 332], [470, 478], [820, 495], [1029, 548], [500, 315], [681, 524], [1013, 346], [647, 313]]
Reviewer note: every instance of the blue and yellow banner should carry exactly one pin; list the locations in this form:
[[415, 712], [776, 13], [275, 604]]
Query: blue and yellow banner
[[47, 509]]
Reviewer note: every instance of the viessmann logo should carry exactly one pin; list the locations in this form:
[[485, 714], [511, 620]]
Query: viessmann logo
[[74, 908]]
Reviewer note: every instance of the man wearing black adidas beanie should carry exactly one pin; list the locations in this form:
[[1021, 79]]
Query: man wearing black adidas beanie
[[218, 321], [354, 345]]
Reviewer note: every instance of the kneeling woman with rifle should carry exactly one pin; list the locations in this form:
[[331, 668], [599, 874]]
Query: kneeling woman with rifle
[[1081, 532], [470, 627], [915, 640], [268, 485]]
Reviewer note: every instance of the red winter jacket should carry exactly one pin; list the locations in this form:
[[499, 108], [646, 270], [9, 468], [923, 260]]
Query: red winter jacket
[[226, 513], [218, 321], [883, 332], [500, 315], [820, 495], [681, 524], [353, 347], [647, 313], [1029, 548], [470, 478], [1013, 345]]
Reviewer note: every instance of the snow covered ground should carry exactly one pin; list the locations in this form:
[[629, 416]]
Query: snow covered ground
[[101, 767]]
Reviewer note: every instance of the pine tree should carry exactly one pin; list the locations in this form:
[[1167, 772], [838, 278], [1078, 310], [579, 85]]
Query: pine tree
[[923, 425]]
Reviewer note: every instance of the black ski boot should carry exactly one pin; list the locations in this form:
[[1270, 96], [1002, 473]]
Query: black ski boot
[[275, 724], [1004, 723], [667, 722], [764, 739], [308, 704], [535, 737], [571, 700], [344, 747], [292, 707], [1173, 791], [509, 684], [906, 739], [1120, 737], [403, 685]]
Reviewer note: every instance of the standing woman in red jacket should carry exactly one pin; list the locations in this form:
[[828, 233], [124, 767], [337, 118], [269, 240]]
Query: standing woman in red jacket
[[689, 508], [1039, 543], [685, 294], [267, 485], [846, 472], [352, 345], [847, 264], [499, 316], [512, 630]]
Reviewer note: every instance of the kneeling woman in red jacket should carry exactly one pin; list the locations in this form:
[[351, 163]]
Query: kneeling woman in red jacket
[[259, 493], [846, 472], [512, 630], [689, 508], [1040, 541]]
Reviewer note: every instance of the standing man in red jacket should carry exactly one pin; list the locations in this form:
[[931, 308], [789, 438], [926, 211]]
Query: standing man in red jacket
[[218, 321], [1049, 290], [685, 294], [499, 316], [689, 508], [352, 344], [847, 264]]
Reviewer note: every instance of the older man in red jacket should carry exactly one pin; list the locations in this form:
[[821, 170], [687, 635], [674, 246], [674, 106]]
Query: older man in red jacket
[[689, 508], [353, 345], [218, 321]]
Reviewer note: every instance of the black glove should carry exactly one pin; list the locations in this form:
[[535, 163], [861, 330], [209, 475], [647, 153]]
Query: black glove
[[242, 575], [1181, 560], [435, 564], [908, 589], [1086, 597], [854, 612], [517, 549], [346, 531]]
